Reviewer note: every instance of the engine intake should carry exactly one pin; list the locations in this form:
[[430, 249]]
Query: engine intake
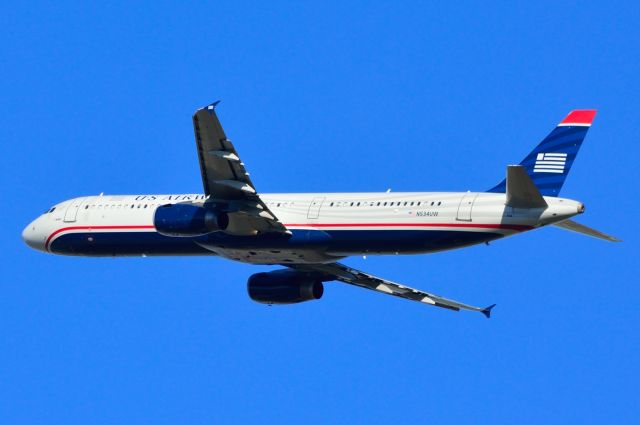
[[284, 287], [188, 220]]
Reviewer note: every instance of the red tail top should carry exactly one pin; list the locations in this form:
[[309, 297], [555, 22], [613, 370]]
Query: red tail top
[[579, 117]]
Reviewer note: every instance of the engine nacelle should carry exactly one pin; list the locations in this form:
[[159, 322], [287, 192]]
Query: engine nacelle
[[188, 220], [284, 287]]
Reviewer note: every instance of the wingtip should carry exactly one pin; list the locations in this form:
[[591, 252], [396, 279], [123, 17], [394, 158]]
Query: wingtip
[[210, 106], [487, 311]]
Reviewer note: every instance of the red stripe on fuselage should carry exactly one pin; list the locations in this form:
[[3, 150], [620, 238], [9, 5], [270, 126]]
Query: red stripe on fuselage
[[64, 229], [517, 227]]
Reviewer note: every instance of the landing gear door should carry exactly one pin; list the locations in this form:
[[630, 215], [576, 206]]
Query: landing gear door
[[314, 208], [465, 207]]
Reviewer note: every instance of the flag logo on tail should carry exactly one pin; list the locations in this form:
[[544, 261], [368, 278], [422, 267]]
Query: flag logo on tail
[[550, 163]]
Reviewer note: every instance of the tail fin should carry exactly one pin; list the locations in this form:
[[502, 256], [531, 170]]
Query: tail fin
[[550, 162]]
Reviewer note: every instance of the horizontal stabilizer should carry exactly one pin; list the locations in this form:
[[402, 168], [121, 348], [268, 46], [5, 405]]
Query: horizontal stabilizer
[[521, 191], [580, 228]]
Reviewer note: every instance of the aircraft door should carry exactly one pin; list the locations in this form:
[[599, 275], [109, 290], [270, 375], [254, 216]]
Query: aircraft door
[[71, 213], [314, 208], [465, 207]]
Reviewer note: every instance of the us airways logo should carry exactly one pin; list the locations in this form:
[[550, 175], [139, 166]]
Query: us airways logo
[[550, 163]]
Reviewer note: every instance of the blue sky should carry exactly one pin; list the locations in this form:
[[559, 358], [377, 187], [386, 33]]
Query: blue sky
[[330, 96]]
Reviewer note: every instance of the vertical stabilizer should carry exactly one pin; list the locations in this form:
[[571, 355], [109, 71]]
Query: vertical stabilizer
[[550, 162]]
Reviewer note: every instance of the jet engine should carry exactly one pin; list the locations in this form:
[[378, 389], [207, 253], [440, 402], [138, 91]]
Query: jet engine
[[188, 220], [284, 287]]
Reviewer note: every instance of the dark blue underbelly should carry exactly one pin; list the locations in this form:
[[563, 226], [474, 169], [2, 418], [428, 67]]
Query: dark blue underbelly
[[338, 241]]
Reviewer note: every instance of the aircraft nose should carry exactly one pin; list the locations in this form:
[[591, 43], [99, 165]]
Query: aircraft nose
[[32, 237]]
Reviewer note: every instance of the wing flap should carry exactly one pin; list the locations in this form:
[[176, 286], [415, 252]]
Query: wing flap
[[225, 179], [342, 273]]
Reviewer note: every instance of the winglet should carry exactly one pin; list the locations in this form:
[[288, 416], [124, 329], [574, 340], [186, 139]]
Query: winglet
[[212, 105], [487, 311], [210, 108]]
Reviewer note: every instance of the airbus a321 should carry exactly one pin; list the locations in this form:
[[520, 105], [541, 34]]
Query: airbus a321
[[308, 233]]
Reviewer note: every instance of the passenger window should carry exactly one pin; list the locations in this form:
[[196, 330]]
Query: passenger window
[[385, 204], [439, 203], [378, 204], [86, 207], [358, 204], [352, 204], [331, 204], [419, 203]]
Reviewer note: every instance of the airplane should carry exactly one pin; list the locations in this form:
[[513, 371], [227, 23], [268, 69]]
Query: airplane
[[308, 233]]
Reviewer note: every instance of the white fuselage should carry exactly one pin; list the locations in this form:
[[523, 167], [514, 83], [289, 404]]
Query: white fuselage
[[323, 226]]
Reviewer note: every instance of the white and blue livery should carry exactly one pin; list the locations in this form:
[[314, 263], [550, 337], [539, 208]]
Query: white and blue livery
[[308, 233]]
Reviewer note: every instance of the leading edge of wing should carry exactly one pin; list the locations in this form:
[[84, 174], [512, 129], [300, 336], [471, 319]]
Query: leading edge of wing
[[342, 273], [225, 179]]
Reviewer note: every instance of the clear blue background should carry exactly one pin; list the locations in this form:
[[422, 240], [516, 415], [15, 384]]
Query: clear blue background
[[319, 96]]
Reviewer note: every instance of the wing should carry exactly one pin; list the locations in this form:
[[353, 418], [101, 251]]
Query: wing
[[225, 179], [342, 273]]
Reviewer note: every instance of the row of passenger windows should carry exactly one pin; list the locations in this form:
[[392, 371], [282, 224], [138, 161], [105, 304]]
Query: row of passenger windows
[[118, 206], [384, 204], [288, 204], [367, 204], [279, 204]]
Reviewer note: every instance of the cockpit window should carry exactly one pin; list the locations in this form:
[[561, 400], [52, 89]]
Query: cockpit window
[[50, 211]]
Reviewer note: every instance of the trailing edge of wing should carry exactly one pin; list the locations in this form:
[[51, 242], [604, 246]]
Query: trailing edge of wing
[[225, 178], [342, 273], [581, 228]]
